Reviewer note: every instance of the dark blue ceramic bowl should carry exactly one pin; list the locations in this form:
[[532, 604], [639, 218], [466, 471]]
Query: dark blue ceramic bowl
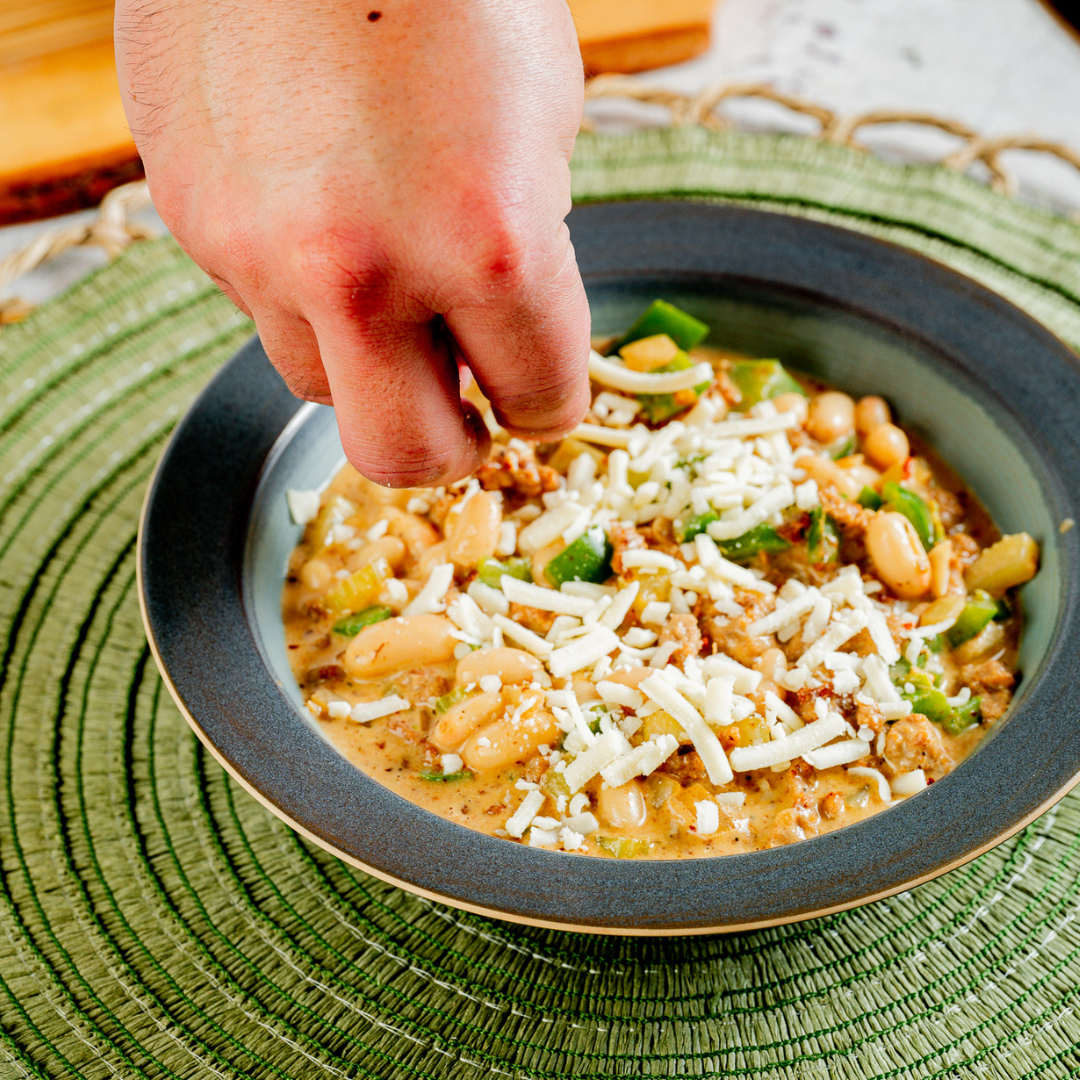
[[994, 392]]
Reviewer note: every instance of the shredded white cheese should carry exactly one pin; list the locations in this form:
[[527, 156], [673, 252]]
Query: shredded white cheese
[[367, 711]]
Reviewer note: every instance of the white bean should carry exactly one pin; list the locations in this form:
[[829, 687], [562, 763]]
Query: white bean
[[407, 641], [898, 556]]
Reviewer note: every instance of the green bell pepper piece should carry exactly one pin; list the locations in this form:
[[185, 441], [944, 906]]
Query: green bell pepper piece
[[931, 702], [761, 538], [445, 778], [490, 571], [351, 625], [962, 717], [843, 450], [913, 508], [623, 847], [660, 317], [588, 558], [696, 524], [661, 407], [976, 614], [869, 498], [822, 538], [760, 380]]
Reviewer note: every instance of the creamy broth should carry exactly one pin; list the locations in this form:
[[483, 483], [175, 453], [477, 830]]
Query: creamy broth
[[855, 620]]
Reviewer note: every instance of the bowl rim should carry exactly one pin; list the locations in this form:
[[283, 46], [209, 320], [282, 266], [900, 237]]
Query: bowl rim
[[870, 846]]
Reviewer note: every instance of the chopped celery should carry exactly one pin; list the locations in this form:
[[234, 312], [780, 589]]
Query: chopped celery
[[759, 380], [761, 538], [661, 407], [351, 625], [977, 613], [660, 317], [822, 538], [913, 508], [444, 778], [454, 697], [357, 590], [869, 498], [588, 558], [623, 847], [490, 571], [696, 524], [962, 717]]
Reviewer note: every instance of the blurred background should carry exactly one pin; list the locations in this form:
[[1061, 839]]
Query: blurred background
[[998, 66]]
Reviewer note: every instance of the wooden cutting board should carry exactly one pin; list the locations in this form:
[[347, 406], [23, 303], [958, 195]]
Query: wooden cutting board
[[64, 141]]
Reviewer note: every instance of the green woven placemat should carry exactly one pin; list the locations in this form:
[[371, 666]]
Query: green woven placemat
[[155, 921]]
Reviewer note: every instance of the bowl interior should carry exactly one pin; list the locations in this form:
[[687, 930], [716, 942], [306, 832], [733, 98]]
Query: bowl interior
[[957, 414]]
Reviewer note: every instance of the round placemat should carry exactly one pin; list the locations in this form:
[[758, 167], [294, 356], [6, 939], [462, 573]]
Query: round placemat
[[155, 921]]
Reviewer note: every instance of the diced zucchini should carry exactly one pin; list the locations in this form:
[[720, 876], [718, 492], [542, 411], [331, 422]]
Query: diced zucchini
[[1011, 561], [977, 612], [623, 847], [760, 380], [761, 538], [588, 558], [490, 571], [661, 723], [351, 625], [335, 512], [660, 317], [650, 353], [913, 508], [690, 528], [822, 538], [941, 609], [962, 717], [356, 592]]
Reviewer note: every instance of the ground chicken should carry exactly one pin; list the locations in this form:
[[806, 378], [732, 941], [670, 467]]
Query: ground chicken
[[684, 631], [832, 806], [687, 768], [848, 515], [534, 619], [950, 507], [965, 550], [868, 714], [515, 466], [660, 535], [800, 819], [624, 537], [915, 743], [421, 687], [729, 636], [992, 681]]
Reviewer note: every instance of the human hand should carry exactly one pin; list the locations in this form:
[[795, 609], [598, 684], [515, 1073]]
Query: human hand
[[382, 188]]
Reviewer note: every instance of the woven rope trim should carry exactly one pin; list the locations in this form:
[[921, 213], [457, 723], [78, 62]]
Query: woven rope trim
[[113, 231], [701, 108]]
